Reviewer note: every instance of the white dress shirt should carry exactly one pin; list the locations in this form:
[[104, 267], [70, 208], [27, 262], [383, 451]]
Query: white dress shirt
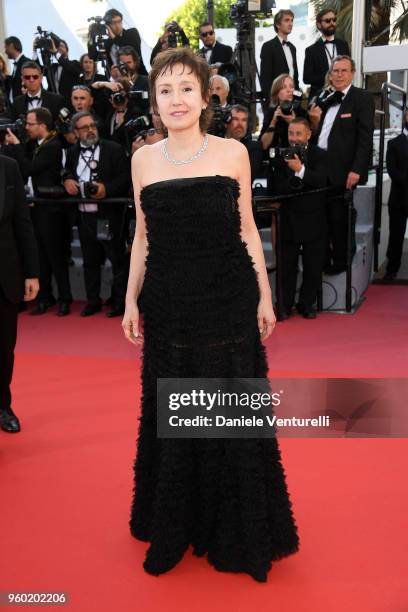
[[330, 48], [34, 103], [84, 175], [289, 57], [328, 122]]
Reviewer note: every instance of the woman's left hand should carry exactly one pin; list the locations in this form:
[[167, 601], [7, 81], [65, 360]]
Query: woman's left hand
[[266, 317]]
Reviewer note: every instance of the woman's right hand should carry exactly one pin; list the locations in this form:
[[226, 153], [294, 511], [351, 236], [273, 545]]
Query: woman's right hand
[[130, 324]]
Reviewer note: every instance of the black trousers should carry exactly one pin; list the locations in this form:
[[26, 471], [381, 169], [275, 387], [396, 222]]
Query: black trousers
[[95, 251], [8, 337], [50, 228], [398, 226], [313, 254]]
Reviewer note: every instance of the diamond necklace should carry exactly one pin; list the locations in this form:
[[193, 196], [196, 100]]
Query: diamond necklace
[[184, 161]]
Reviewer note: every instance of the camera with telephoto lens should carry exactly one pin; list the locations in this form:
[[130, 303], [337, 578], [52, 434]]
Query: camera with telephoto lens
[[123, 69], [289, 106], [135, 126], [174, 32], [63, 121], [98, 35], [18, 128], [288, 153], [44, 41], [221, 117], [326, 98], [119, 98]]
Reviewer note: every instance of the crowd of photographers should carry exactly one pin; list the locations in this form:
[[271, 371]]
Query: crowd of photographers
[[76, 138]]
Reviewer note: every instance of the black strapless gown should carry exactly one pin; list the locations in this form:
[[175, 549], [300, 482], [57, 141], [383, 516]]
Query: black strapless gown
[[226, 497]]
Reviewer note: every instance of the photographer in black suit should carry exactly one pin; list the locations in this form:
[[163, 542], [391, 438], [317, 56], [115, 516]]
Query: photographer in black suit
[[172, 36], [319, 56], [99, 169], [303, 218], [213, 51], [18, 276], [344, 127], [14, 51], [42, 170], [397, 167], [66, 72], [237, 128], [118, 37], [278, 56], [36, 96]]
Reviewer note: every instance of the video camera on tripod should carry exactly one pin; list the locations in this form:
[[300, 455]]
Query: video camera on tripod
[[98, 34], [44, 41]]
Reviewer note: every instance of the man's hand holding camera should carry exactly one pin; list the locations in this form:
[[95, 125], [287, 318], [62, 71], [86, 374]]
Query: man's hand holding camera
[[295, 164], [11, 138]]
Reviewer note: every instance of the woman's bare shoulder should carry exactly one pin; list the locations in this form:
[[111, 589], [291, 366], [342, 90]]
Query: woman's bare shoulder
[[228, 146]]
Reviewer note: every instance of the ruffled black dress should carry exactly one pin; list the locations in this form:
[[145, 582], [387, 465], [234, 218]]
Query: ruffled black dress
[[226, 497]]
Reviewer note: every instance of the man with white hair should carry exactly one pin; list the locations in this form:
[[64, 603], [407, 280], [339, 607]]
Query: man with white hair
[[220, 87]]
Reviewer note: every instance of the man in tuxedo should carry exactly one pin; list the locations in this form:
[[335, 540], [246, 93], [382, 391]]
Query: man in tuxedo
[[66, 72], [14, 51], [303, 219], [100, 224], [397, 167], [345, 130], [213, 51], [18, 276], [42, 169], [237, 128], [36, 96], [118, 37], [278, 56], [319, 56]]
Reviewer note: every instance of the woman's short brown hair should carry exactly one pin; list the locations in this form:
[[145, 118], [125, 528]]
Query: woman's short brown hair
[[166, 60], [277, 85]]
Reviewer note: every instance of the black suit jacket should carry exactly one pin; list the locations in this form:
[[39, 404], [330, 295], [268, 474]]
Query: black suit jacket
[[397, 167], [350, 142], [14, 83], [130, 38], [18, 250], [54, 103], [220, 53], [303, 218], [43, 164], [317, 63], [70, 76], [113, 169], [273, 64]]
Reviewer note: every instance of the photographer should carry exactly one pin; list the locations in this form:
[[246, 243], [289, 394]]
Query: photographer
[[14, 51], [283, 109], [99, 169], [303, 219], [237, 128], [173, 36], [36, 96], [42, 169], [153, 133], [343, 126], [120, 114], [219, 86], [118, 37], [213, 51], [66, 72]]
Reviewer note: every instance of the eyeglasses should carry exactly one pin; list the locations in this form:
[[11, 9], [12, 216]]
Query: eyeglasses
[[331, 20], [90, 126], [209, 33], [31, 77]]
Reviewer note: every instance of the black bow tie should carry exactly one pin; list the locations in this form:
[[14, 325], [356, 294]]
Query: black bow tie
[[284, 42], [31, 98], [83, 149], [328, 42], [208, 48]]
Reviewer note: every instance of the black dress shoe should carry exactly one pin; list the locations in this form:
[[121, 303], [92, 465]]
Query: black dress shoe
[[90, 309], [284, 315], [116, 311], [63, 309], [307, 313], [9, 422], [41, 308], [389, 277]]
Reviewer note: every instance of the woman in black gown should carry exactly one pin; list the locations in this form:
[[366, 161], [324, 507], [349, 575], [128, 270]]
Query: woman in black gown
[[207, 308]]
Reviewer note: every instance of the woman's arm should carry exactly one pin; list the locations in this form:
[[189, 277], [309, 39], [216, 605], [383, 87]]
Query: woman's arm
[[250, 235], [130, 323]]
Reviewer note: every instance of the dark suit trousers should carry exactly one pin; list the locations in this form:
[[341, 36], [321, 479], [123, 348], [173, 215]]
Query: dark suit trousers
[[51, 233], [313, 254], [8, 336], [94, 253], [398, 225], [337, 225]]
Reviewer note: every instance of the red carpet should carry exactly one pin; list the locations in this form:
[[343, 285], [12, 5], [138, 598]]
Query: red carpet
[[66, 478]]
